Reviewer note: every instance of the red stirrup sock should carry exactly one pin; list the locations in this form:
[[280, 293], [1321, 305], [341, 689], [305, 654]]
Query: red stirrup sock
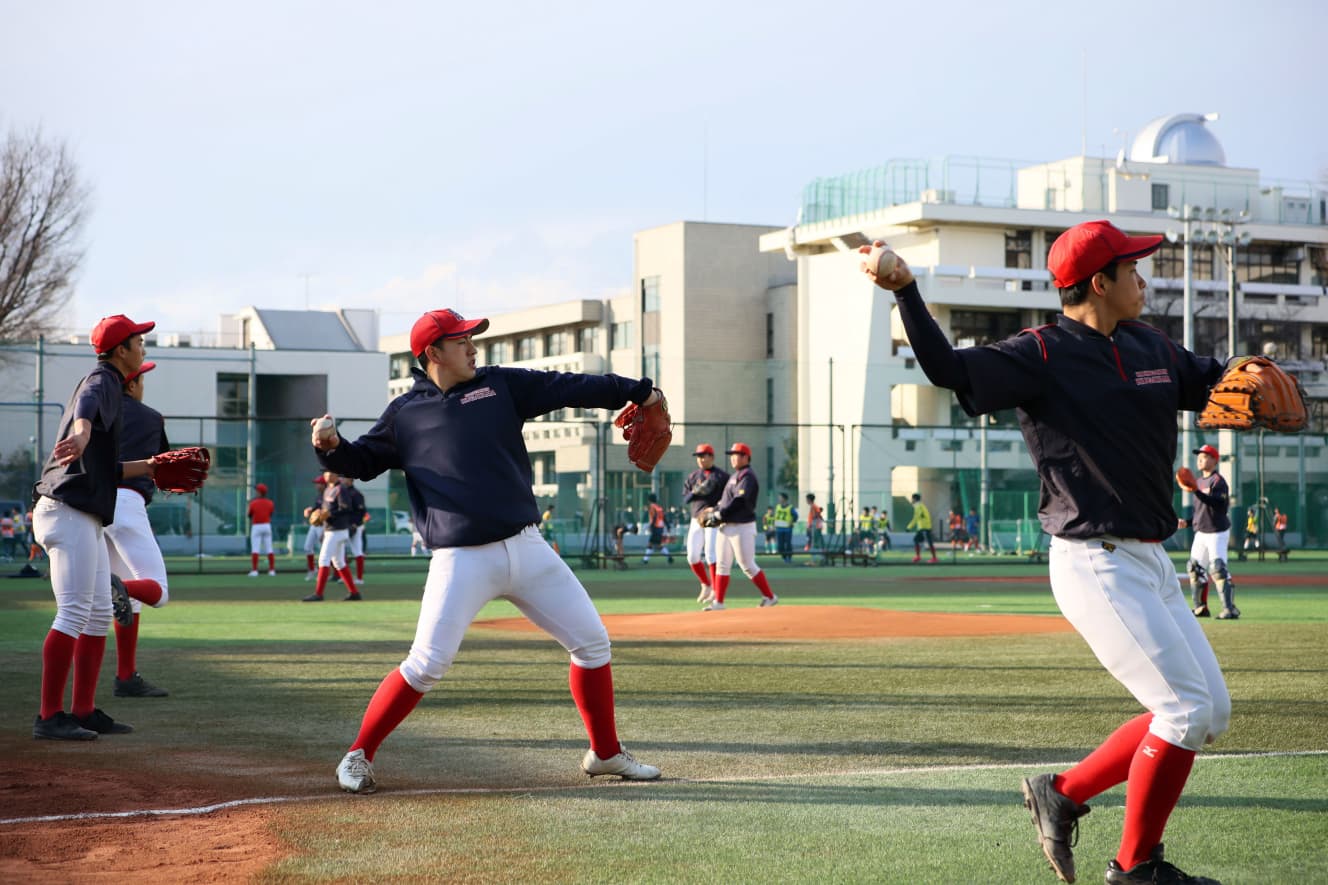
[[702, 572], [309, 562], [323, 572], [388, 708], [593, 692], [359, 568], [88, 654], [57, 659], [721, 587], [126, 649], [763, 585], [272, 562], [1106, 766], [1157, 777], [346, 579], [253, 562], [145, 590]]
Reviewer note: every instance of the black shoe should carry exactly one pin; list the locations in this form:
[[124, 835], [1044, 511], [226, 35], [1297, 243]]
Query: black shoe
[[312, 597], [102, 724], [61, 727], [124, 612], [353, 597], [1154, 871], [1228, 614], [1057, 820], [1202, 612], [138, 687]]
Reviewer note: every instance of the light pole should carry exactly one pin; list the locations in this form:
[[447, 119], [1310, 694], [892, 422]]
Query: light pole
[[1227, 238], [1189, 217]]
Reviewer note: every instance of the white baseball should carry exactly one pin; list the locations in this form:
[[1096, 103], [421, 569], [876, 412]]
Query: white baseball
[[325, 428], [887, 264]]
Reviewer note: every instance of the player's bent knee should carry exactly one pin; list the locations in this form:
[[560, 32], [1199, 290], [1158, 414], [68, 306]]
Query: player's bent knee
[[592, 655], [751, 572], [423, 673]]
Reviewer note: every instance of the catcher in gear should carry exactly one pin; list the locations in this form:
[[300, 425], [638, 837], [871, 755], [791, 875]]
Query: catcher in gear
[[1212, 530]]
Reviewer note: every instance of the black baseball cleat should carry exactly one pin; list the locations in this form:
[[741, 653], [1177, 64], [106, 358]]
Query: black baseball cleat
[[138, 687], [120, 607], [102, 724], [1228, 614], [60, 727], [1201, 611], [313, 597], [1057, 820], [1154, 871], [353, 597]]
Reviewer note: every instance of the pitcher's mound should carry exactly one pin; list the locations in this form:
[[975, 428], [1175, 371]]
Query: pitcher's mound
[[793, 622]]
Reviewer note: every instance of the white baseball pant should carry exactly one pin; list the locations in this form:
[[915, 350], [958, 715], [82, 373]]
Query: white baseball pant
[[334, 548], [737, 540], [356, 541], [522, 569], [1208, 547], [1123, 598], [702, 542], [260, 537], [313, 539], [133, 548], [80, 567]]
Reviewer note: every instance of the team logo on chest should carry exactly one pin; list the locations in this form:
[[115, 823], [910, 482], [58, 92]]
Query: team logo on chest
[[1152, 376], [481, 393]]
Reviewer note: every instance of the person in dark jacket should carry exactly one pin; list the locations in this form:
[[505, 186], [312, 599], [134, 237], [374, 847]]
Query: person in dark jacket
[[736, 516]]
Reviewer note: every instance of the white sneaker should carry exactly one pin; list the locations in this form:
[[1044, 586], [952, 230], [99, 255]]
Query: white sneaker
[[767, 601], [355, 773], [271, 573], [714, 607], [253, 574], [360, 582], [309, 576], [622, 765], [707, 595]]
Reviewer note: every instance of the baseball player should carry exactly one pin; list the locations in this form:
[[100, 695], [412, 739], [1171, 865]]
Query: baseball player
[[973, 528], [1212, 530], [785, 516], [921, 521], [657, 541], [457, 437], [815, 524], [130, 543], [1106, 502], [313, 538], [1280, 523], [260, 530], [355, 538], [736, 516], [343, 514], [76, 497], [701, 490]]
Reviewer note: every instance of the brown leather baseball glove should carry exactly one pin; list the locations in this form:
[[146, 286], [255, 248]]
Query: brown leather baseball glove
[[1185, 479], [181, 470], [648, 431], [1255, 392], [317, 516]]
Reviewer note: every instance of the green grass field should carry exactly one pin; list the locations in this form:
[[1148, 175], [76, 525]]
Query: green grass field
[[881, 760]]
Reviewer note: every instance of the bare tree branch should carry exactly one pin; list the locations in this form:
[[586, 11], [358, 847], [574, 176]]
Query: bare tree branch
[[43, 205]]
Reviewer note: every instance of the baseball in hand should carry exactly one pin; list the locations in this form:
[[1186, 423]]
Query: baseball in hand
[[325, 428], [887, 264]]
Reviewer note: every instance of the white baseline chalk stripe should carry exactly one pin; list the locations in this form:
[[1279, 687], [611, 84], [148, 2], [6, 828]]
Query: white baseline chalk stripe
[[493, 791]]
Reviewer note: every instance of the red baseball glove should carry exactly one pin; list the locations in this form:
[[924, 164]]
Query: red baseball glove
[[1255, 392], [648, 431], [1185, 479], [181, 470]]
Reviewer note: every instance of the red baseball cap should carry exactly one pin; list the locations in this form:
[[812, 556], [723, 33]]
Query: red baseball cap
[[1206, 450], [445, 323], [261, 488], [739, 449], [113, 331], [320, 480], [142, 370], [703, 449], [1086, 248]]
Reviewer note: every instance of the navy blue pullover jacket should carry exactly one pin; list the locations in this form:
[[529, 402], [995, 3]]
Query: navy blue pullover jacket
[[703, 488], [738, 502], [468, 473], [1098, 413], [89, 483], [143, 436]]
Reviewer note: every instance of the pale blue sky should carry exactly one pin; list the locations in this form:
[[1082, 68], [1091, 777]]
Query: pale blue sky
[[413, 155]]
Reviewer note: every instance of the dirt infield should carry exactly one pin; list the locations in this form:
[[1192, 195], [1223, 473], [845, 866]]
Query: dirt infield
[[809, 622]]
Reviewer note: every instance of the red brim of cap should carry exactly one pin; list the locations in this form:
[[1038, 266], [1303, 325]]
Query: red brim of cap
[[142, 370], [1132, 249]]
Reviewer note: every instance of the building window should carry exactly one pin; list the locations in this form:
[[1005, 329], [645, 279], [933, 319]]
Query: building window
[[649, 294], [525, 348], [620, 336], [1161, 197], [586, 340], [1169, 262], [770, 400], [650, 363], [401, 366], [769, 335], [497, 352], [1049, 238], [1269, 263], [232, 395], [970, 328], [1019, 253], [558, 343]]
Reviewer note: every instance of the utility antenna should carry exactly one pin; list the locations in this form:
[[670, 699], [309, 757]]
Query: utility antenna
[[306, 277]]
